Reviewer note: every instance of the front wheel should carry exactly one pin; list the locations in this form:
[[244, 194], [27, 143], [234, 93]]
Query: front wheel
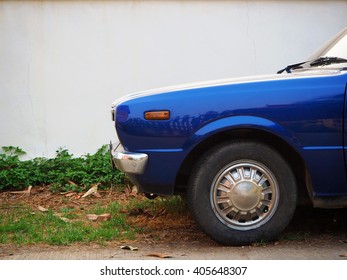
[[241, 192]]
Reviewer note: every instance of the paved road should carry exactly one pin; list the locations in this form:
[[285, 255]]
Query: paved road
[[329, 249]]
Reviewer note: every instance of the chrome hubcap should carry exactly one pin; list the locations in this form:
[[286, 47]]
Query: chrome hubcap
[[244, 195]]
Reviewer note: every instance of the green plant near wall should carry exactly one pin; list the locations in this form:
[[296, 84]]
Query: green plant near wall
[[63, 172]]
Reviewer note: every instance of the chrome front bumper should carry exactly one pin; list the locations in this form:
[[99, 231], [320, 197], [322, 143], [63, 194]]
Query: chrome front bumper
[[132, 163]]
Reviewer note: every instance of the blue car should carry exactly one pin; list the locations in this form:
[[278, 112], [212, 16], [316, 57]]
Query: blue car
[[244, 151]]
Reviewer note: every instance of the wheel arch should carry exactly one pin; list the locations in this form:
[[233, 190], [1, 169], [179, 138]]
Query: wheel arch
[[254, 133]]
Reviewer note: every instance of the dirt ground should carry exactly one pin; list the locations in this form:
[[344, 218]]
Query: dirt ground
[[313, 234]]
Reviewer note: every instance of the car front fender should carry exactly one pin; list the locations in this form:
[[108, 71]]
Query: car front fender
[[242, 122]]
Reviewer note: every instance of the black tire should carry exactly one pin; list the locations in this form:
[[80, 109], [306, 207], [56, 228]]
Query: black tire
[[242, 192]]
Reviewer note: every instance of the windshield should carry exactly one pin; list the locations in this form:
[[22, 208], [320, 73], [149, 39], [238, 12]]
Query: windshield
[[336, 47], [333, 55]]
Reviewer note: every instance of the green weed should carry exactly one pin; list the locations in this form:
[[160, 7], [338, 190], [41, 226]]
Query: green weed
[[62, 173], [22, 226]]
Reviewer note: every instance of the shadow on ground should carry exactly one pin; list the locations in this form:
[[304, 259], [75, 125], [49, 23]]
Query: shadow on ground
[[309, 223]]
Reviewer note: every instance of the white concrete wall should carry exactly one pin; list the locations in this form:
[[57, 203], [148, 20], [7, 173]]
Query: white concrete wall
[[62, 63]]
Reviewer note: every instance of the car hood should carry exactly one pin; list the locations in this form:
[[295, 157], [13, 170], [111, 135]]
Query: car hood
[[222, 82]]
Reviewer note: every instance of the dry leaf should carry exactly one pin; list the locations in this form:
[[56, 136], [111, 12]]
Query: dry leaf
[[102, 217], [92, 190], [42, 209], [127, 247], [96, 194], [64, 219], [92, 217], [140, 211], [134, 191], [27, 192], [126, 192], [162, 211], [68, 194], [159, 255]]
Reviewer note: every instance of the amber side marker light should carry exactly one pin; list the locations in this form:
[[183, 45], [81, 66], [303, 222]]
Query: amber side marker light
[[157, 115]]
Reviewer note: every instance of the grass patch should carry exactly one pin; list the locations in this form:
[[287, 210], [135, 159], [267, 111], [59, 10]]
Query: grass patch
[[22, 226], [66, 223], [113, 208]]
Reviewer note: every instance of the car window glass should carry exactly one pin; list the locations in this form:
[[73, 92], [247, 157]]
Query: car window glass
[[338, 50]]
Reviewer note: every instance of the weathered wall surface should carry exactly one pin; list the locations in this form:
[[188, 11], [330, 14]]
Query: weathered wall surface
[[62, 63]]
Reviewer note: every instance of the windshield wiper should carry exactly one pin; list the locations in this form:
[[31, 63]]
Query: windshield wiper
[[322, 61], [327, 61], [289, 68]]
